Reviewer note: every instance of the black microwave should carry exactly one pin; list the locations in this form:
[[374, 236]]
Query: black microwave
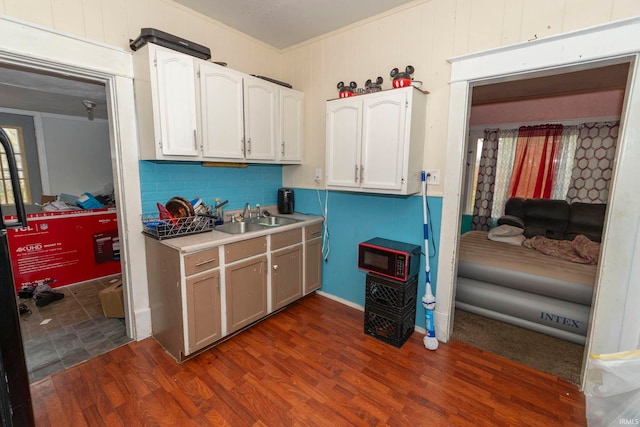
[[396, 260]]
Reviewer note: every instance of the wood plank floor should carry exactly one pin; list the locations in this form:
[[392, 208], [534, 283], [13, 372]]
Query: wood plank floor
[[310, 364]]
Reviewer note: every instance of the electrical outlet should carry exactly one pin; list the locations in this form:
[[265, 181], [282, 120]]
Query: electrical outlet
[[433, 177], [318, 176]]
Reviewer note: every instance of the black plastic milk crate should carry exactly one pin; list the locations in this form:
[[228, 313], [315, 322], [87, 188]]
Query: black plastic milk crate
[[392, 328], [390, 294]]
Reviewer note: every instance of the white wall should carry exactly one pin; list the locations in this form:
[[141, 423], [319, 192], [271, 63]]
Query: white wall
[[424, 34], [78, 154], [114, 22]]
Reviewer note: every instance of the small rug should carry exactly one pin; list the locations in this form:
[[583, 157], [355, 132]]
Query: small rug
[[539, 351]]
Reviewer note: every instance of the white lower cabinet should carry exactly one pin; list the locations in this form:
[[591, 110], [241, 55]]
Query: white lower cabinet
[[198, 298]]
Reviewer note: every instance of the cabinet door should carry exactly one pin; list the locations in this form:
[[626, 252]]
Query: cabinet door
[[289, 148], [203, 310], [312, 265], [221, 112], [286, 276], [259, 119], [344, 119], [246, 292], [176, 103], [383, 141]]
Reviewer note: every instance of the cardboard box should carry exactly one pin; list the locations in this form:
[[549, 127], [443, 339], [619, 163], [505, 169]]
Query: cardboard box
[[112, 299], [46, 199]]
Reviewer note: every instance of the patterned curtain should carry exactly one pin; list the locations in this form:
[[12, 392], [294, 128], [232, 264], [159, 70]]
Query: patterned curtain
[[593, 163], [486, 178], [564, 163], [506, 152], [536, 151]]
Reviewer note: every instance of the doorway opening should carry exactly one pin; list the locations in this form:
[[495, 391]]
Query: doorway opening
[[66, 152], [607, 332], [493, 312]]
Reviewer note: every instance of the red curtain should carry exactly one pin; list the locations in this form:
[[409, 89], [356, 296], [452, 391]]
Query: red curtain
[[536, 152]]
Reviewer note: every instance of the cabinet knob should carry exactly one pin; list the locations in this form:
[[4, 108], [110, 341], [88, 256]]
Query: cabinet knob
[[275, 267]]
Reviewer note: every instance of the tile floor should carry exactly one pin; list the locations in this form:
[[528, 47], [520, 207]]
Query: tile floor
[[69, 331]]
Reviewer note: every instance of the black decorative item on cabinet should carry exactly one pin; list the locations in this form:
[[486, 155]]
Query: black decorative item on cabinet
[[152, 35]]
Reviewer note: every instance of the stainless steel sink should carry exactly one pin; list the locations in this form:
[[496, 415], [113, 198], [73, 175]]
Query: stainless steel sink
[[273, 221], [238, 227], [255, 224]]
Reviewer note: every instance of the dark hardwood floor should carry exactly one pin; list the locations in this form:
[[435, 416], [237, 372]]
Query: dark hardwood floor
[[310, 364]]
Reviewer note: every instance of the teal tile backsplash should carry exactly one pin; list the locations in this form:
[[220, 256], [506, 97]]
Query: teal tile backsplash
[[254, 184]]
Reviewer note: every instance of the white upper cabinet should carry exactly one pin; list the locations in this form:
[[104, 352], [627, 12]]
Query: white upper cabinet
[[290, 128], [166, 104], [223, 116], [221, 112], [344, 139], [260, 109], [375, 142]]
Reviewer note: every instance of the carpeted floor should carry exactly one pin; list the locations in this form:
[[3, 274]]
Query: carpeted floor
[[542, 352]]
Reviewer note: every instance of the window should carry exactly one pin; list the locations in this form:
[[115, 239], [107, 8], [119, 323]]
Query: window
[[17, 143]]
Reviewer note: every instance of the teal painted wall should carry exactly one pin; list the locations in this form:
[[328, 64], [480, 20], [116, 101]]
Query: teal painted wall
[[160, 181], [355, 217], [352, 217]]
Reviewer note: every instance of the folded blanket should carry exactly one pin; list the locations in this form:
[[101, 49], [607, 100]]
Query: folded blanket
[[580, 250]]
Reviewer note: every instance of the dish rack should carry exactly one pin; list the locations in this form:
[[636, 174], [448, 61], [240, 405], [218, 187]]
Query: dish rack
[[160, 229]]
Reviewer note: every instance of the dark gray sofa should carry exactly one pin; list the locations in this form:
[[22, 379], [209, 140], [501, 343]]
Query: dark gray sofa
[[555, 219]]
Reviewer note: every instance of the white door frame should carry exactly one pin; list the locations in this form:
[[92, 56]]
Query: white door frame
[[32, 46], [583, 49]]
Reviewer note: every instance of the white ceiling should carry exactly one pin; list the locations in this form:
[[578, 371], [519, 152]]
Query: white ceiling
[[283, 23], [27, 90]]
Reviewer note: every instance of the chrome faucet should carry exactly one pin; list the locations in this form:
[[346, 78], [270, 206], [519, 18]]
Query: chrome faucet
[[247, 208]]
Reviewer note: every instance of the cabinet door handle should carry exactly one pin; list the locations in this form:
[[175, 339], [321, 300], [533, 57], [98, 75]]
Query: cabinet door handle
[[201, 263], [356, 177], [249, 146], [283, 148], [275, 267], [361, 172]]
